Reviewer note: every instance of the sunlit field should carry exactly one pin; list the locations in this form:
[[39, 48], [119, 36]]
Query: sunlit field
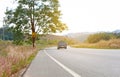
[[110, 44]]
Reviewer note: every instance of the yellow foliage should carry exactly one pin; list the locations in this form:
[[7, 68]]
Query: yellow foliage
[[113, 43]]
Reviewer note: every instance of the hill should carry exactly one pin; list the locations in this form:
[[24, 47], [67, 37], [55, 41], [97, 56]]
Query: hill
[[54, 39], [79, 36], [116, 31]]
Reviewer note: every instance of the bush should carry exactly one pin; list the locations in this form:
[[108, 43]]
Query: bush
[[94, 38]]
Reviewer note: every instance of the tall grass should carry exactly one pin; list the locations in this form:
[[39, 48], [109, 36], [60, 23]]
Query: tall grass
[[113, 43], [14, 59], [110, 44]]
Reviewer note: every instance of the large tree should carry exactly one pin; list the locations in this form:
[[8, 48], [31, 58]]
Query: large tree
[[35, 16]]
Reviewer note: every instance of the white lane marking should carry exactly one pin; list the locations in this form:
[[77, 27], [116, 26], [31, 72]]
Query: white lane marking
[[74, 74]]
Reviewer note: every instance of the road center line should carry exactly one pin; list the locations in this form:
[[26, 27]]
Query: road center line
[[74, 74]]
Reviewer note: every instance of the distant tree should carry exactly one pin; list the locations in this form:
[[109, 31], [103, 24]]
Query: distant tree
[[117, 35], [94, 38], [36, 16], [6, 35]]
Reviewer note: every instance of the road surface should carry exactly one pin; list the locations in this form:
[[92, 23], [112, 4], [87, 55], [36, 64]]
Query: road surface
[[75, 62]]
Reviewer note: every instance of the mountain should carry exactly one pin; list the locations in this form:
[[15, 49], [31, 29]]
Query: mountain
[[84, 35], [116, 31], [79, 36], [54, 39]]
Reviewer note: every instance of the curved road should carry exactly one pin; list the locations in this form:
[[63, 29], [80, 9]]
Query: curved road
[[75, 62]]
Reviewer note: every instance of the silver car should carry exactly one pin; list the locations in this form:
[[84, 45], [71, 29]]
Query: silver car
[[62, 44]]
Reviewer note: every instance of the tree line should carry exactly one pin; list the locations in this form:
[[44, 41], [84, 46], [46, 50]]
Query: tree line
[[94, 38], [6, 34]]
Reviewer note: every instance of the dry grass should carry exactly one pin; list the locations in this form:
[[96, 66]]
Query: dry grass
[[111, 44], [14, 58], [3, 44]]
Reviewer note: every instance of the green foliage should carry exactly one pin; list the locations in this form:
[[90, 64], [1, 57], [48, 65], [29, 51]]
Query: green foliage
[[44, 14], [18, 37], [117, 35]]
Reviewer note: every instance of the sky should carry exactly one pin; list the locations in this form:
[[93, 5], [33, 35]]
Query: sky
[[91, 15], [3, 5], [84, 15]]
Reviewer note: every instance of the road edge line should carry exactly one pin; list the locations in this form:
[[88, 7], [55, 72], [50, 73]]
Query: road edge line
[[74, 74]]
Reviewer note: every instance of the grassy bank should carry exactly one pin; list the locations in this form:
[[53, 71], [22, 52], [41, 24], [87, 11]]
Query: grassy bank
[[14, 58], [110, 44]]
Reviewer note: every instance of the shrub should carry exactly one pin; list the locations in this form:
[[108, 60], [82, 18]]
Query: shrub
[[94, 38]]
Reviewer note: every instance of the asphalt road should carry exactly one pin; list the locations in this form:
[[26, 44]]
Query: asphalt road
[[75, 62]]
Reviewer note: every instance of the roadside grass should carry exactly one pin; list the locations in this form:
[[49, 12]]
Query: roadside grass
[[110, 44], [17, 58], [3, 45], [14, 58]]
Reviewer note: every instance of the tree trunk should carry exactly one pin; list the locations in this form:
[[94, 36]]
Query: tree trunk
[[33, 26], [33, 40], [33, 34]]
